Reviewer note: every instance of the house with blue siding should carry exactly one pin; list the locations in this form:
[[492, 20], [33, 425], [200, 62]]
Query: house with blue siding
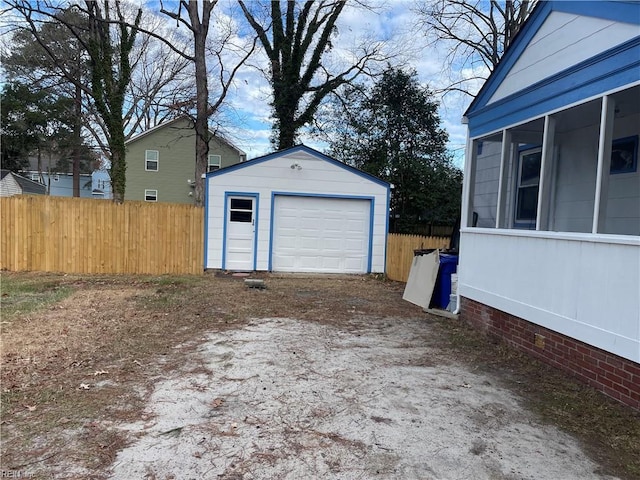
[[550, 237]]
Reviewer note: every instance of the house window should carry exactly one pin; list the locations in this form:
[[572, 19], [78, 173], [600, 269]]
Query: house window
[[624, 155], [214, 163], [528, 185], [151, 160], [151, 195]]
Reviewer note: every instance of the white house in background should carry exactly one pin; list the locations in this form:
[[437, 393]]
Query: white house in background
[[552, 186], [101, 184], [13, 184], [296, 210]]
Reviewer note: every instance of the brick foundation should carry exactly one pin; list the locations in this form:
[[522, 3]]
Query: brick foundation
[[615, 376]]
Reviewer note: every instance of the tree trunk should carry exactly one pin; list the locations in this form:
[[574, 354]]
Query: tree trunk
[[285, 109], [200, 29], [118, 170], [202, 114], [77, 139]]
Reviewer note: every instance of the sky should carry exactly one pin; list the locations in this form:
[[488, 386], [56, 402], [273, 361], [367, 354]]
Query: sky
[[248, 120], [391, 22]]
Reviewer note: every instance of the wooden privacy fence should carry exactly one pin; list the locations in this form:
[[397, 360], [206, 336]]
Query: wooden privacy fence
[[400, 252], [74, 235]]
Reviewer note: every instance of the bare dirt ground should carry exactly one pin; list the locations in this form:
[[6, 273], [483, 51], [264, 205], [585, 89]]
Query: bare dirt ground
[[172, 378]]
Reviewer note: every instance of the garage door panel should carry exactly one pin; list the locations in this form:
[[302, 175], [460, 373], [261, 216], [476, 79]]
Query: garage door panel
[[310, 243], [316, 234], [354, 246]]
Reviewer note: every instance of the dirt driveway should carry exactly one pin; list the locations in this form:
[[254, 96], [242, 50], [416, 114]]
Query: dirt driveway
[[376, 398], [309, 378]]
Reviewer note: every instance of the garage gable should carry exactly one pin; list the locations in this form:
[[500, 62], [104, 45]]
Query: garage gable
[[299, 152]]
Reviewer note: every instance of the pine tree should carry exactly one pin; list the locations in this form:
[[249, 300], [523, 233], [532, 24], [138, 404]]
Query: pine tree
[[392, 130]]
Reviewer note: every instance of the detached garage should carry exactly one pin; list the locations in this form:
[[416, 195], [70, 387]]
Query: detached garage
[[296, 210]]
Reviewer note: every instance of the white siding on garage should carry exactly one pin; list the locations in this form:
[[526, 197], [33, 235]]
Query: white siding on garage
[[273, 178], [317, 234], [563, 40]]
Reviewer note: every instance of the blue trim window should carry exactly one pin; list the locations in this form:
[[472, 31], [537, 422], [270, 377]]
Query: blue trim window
[[527, 187], [624, 155]]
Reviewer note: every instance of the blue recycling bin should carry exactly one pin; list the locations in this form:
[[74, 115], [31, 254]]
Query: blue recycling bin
[[442, 289]]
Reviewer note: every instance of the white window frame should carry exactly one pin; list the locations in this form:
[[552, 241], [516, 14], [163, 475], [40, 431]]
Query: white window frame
[[147, 160], [241, 211], [210, 164], [521, 222], [148, 195]]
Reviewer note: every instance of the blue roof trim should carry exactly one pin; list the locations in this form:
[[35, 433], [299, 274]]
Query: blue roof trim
[[386, 228], [295, 149], [621, 11], [206, 223], [626, 12], [607, 71]]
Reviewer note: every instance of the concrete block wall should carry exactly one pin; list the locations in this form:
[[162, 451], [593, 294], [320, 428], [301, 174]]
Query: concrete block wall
[[615, 376]]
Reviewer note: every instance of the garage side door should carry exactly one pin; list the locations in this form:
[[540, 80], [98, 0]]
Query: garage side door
[[313, 234]]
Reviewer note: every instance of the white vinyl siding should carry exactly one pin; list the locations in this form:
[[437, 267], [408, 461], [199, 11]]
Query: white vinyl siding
[[563, 40], [571, 283]]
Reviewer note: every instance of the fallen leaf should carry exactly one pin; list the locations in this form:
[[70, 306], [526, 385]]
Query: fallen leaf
[[174, 432], [216, 403], [197, 455]]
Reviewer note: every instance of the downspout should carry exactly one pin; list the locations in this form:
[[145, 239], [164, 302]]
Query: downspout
[[465, 189]]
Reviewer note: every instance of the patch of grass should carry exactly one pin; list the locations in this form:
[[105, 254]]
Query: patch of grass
[[26, 294]]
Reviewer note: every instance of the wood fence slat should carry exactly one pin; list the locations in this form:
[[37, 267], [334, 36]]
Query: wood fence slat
[[77, 235], [400, 252]]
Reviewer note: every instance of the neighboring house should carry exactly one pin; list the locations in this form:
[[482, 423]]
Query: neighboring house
[[13, 184], [296, 210], [161, 162], [101, 184], [552, 185], [61, 184]]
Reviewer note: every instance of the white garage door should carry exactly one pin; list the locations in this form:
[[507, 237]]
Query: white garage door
[[313, 234]]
